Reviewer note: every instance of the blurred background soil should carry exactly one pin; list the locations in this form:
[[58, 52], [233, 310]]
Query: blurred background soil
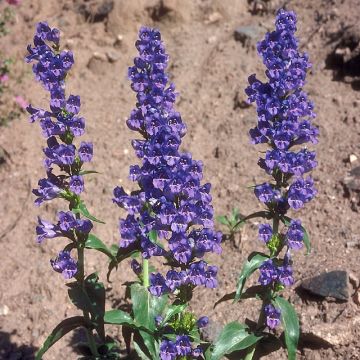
[[209, 65]]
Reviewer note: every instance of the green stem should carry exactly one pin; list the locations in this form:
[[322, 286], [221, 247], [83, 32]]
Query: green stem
[[81, 279], [146, 282]]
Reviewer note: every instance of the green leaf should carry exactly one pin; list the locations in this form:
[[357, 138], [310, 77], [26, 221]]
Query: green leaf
[[256, 291], [172, 311], [82, 209], [62, 329], [290, 323], [222, 220], [79, 297], [86, 172], [233, 337], [262, 214], [90, 298], [286, 220], [253, 262], [96, 292], [145, 308], [95, 243], [122, 254], [118, 317], [140, 347]]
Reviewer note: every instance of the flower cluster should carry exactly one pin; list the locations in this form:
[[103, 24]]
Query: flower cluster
[[181, 347], [171, 204], [284, 113], [60, 125]]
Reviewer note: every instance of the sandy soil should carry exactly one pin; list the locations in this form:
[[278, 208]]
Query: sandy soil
[[210, 70]]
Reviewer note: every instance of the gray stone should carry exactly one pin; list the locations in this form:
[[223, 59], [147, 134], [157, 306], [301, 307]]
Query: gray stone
[[112, 56], [334, 284], [96, 10], [352, 181], [247, 34]]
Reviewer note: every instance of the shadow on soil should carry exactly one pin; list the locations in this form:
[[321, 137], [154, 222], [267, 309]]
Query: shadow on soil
[[12, 351]]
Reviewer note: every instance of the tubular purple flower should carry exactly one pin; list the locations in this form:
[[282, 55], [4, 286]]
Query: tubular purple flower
[[65, 265], [171, 199], [284, 124]]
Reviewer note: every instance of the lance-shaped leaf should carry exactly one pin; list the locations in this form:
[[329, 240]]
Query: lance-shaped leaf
[[290, 323], [90, 298], [122, 254], [145, 308], [233, 337], [262, 214], [82, 209], [118, 317], [93, 242], [87, 172], [253, 262], [62, 329], [172, 311]]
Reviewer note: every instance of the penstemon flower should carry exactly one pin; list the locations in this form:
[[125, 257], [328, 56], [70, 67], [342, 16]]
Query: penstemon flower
[[60, 125], [284, 125], [171, 215]]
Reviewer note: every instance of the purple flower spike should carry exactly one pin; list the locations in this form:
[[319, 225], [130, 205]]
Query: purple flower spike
[[171, 201], [59, 126]]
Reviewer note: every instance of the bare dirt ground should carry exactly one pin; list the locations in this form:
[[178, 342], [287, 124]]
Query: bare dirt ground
[[210, 70]]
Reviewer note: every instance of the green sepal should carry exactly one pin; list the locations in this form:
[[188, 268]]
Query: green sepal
[[82, 209], [93, 242], [253, 262], [233, 337], [60, 330], [290, 322]]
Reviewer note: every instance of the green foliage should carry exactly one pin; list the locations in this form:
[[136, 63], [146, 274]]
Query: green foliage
[[90, 298], [290, 323], [233, 337], [61, 330], [145, 307], [232, 222], [82, 209], [95, 243], [253, 262]]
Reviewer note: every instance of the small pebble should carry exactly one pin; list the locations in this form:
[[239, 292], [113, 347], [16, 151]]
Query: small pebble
[[4, 310]]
